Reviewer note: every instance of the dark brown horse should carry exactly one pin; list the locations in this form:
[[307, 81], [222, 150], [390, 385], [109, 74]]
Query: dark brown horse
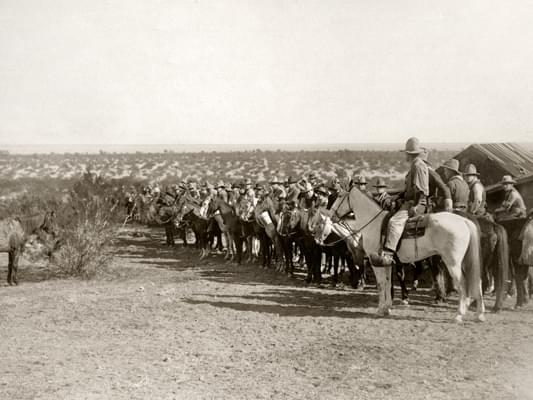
[[14, 233]]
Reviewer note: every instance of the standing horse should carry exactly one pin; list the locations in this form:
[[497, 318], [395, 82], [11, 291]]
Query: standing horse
[[297, 224], [190, 212], [14, 233], [342, 241], [232, 226], [454, 238]]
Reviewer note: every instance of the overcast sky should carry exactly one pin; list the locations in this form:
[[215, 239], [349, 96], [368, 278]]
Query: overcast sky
[[132, 71]]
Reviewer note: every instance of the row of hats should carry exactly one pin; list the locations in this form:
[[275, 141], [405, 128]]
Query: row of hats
[[471, 170]]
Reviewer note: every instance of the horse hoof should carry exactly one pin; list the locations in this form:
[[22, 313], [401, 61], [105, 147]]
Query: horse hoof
[[384, 312], [405, 302], [481, 318], [459, 319]]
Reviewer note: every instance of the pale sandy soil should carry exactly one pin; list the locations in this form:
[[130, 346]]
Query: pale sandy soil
[[166, 327]]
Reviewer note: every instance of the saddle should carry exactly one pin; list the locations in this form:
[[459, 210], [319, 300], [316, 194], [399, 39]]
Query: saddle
[[415, 227]]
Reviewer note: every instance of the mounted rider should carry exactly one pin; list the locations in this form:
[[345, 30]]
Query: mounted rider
[[459, 189], [335, 190], [221, 191], [307, 198], [322, 195], [360, 182], [477, 199], [513, 205], [415, 201], [293, 192], [385, 200]]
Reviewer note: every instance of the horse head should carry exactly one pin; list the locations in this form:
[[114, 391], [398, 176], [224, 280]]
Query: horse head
[[322, 228], [285, 222]]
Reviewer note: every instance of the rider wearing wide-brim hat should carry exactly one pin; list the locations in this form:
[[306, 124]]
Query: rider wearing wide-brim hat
[[322, 195], [513, 205], [384, 199], [459, 189], [415, 201], [477, 203]]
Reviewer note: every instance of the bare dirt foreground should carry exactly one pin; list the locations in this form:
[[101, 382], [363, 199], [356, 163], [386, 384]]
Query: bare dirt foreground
[[164, 326]]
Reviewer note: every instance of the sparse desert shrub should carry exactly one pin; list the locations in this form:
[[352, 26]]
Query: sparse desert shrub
[[87, 236]]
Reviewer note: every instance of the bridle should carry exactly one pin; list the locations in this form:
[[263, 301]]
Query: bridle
[[336, 209]]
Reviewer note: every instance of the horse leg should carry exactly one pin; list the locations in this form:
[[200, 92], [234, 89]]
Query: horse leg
[[10, 267], [438, 274], [383, 282], [459, 282], [15, 266], [521, 275], [335, 260], [400, 274]]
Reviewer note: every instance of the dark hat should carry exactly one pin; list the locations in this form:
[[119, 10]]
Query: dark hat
[[321, 189], [507, 179], [291, 180], [470, 170], [380, 183], [412, 146], [452, 164]]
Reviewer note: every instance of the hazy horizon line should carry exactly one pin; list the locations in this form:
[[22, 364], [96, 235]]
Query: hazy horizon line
[[221, 147]]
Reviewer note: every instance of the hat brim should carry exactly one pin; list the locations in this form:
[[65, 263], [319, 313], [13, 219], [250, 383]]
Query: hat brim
[[512, 182], [380, 186], [451, 169], [470, 173]]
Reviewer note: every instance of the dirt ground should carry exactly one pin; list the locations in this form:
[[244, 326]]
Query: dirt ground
[[163, 326]]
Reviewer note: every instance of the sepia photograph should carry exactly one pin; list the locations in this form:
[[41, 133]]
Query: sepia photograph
[[278, 199]]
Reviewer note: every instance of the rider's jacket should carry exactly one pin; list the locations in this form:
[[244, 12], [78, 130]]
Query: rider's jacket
[[477, 200], [513, 205], [460, 191]]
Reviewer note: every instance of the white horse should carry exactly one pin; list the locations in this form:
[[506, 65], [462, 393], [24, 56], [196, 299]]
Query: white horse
[[454, 238]]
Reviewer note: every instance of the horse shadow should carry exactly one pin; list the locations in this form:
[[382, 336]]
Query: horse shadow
[[296, 302]]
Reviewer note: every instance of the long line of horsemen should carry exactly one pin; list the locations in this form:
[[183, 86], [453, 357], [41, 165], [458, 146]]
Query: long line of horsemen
[[426, 191]]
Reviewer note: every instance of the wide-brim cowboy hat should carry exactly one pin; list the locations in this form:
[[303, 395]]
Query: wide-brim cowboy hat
[[380, 183], [470, 170], [292, 180], [412, 146], [452, 165], [322, 190], [507, 179], [220, 184]]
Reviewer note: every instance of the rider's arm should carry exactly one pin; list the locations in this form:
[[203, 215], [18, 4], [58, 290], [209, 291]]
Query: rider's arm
[[477, 192]]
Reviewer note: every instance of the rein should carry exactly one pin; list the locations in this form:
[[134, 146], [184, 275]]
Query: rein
[[352, 232]]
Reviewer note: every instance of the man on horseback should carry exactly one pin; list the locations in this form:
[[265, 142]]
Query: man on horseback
[[415, 201], [360, 182], [293, 192], [335, 190], [513, 205], [477, 203], [384, 199], [458, 187]]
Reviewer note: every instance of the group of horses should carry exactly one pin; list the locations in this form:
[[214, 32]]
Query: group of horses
[[471, 253], [476, 252]]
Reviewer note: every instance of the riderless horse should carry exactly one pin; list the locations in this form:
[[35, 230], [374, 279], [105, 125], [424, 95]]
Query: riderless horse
[[14, 233]]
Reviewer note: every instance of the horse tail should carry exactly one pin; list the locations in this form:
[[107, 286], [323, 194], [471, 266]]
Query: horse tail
[[502, 266], [472, 263]]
